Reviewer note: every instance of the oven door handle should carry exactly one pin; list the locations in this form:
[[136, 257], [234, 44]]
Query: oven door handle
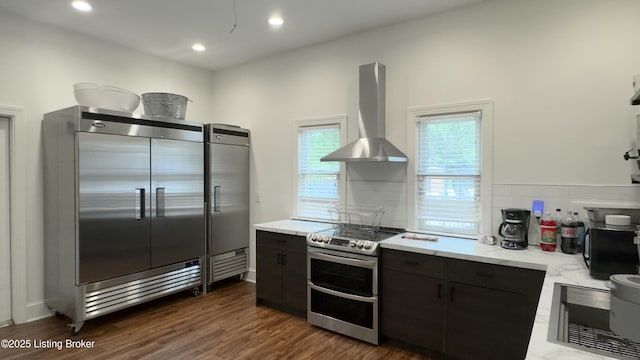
[[341, 294], [369, 264]]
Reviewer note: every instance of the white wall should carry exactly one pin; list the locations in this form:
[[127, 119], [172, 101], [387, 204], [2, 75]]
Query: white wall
[[560, 73], [38, 66]]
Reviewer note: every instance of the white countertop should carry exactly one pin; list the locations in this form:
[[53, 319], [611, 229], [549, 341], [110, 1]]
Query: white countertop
[[293, 227], [465, 249], [559, 267]]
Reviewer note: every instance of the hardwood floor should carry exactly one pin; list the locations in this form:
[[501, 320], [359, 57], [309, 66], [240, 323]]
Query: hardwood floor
[[223, 324]]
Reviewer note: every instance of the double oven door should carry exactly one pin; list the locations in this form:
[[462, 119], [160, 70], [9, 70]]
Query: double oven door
[[342, 292]]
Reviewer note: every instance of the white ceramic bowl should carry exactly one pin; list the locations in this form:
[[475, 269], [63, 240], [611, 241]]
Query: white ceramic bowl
[[105, 97]]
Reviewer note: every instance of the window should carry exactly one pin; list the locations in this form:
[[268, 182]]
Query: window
[[448, 176], [318, 183], [452, 182]]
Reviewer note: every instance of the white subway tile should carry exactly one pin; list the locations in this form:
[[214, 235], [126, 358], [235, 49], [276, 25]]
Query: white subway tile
[[376, 186], [501, 190], [540, 192], [616, 193], [378, 171], [502, 202]]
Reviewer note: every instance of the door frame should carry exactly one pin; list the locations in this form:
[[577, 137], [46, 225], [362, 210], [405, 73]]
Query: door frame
[[5, 226], [17, 211]]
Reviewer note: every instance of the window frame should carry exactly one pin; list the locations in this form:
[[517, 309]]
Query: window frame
[[340, 120], [485, 107]]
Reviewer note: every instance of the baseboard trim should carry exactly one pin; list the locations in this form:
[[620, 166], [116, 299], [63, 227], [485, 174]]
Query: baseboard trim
[[37, 310], [251, 276]]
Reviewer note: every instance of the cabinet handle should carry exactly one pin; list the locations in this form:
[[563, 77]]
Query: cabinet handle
[[439, 291], [284, 259], [140, 203], [451, 292], [411, 263], [216, 198], [484, 275], [160, 202], [278, 259]]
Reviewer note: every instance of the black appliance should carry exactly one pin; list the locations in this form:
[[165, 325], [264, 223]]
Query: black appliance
[[610, 249], [514, 229]]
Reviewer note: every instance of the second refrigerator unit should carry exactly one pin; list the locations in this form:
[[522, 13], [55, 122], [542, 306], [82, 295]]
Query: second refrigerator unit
[[227, 171]]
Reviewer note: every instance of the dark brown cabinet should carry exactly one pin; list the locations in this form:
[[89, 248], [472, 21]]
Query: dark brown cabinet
[[412, 299], [464, 309], [490, 310], [486, 324], [281, 272]]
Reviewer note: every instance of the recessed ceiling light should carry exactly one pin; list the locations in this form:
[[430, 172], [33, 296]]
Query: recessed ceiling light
[[81, 5], [198, 47], [276, 20]]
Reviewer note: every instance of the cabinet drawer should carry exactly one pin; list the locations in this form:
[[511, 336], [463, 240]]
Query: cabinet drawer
[[413, 263], [288, 242], [488, 275]]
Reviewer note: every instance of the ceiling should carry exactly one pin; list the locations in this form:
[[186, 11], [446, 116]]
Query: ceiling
[[168, 28]]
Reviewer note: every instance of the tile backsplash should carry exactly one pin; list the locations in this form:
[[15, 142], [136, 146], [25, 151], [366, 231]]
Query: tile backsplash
[[386, 184], [565, 197], [374, 184]]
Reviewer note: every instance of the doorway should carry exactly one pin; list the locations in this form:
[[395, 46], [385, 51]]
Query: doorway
[[5, 230]]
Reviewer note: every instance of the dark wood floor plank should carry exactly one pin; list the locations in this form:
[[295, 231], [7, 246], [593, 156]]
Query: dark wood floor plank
[[223, 324]]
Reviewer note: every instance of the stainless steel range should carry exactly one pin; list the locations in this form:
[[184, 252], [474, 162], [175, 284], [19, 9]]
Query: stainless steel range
[[342, 274], [354, 240]]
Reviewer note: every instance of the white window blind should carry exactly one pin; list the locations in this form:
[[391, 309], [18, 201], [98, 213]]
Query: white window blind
[[318, 182], [448, 173]]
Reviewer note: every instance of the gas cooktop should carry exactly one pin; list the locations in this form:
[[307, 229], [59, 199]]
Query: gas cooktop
[[350, 239]]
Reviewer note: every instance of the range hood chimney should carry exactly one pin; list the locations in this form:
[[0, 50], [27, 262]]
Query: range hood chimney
[[371, 146]]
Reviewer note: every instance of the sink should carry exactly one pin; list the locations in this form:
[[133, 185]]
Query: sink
[[580, 319]]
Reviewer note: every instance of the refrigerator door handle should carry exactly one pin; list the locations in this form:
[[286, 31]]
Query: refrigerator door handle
[[216, 198], [160, 202], [140, 203]]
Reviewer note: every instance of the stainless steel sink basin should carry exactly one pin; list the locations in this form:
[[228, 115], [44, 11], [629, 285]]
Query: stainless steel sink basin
[[580, 319]]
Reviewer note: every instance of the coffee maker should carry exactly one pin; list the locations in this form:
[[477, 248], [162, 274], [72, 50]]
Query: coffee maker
[[514, 229]]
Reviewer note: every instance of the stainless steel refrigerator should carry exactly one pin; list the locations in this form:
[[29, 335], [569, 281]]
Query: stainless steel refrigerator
[[227, 168], [124, 210]]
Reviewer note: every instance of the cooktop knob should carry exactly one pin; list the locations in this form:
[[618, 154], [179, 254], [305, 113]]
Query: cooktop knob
[[368, 244], [326, 239], [360, 244], [352, 243]]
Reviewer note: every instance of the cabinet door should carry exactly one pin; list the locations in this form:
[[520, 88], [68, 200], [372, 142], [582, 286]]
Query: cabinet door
[[486, 323], [177, 201], [412, 309], [228, 198], [294, 282], [113, 174], [268, 274]]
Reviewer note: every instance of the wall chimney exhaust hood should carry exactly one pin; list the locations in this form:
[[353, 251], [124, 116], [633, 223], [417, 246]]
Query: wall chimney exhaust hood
[[371, 146]]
